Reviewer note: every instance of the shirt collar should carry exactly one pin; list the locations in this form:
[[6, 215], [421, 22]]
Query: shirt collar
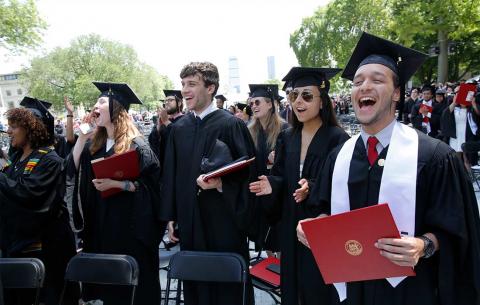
[[383, 135], [211, 108]]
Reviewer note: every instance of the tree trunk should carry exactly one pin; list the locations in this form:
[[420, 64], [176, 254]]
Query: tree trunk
[[442, 57]]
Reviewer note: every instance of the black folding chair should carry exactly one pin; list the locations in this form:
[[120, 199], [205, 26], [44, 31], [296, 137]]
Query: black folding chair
[[199, 266], [109, 269], [23, 273]]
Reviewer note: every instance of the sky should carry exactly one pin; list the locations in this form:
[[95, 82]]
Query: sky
[[167, 34]]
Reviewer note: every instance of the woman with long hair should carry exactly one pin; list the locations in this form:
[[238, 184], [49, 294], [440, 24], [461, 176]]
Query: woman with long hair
[[33, 215], [299, 156], [127, 222], [265, 128]]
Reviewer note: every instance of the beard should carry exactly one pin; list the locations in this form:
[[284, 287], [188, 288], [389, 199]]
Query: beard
[[172, 110]]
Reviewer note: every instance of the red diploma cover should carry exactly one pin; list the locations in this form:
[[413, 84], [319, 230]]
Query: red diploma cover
[[466, 94], [261, 272], [227, 169], [117, 167], [344, 245]]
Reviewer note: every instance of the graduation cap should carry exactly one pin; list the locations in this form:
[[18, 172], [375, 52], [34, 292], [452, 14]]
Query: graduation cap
[[245, 108], [221, 97], [29, 101], [176, 93], [440, 92], [371, 49], [309, 76], [264, 90], [118, 91], [286, 85], [40, 110]]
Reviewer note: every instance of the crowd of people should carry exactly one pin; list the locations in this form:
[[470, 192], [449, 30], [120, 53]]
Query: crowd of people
[[306, 167]]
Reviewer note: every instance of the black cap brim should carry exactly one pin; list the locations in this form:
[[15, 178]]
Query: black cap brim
[[176, 93]]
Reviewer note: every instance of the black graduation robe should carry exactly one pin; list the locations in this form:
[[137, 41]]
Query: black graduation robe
[[300, 279], [268, 232], [437, 110], [208, 220], [125, 223], [449, 130], [158, 139], [445, 206], [32, 212]]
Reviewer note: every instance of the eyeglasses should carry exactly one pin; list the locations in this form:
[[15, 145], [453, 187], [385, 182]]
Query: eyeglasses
[[306, 96]]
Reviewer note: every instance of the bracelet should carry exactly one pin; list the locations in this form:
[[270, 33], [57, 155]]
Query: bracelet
[[126, 185], [69, 115]]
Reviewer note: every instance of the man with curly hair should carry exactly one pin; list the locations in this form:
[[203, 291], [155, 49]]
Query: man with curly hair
[[212, 215]]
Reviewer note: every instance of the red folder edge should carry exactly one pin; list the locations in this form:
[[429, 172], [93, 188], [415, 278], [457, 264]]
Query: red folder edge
[[227, 169], [261, 272], [111, 167], [366, 226]]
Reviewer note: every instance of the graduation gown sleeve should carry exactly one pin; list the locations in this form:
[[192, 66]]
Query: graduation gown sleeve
[[235, 189]]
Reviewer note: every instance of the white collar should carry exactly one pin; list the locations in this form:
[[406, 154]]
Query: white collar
[[211, 108], [383, 136]]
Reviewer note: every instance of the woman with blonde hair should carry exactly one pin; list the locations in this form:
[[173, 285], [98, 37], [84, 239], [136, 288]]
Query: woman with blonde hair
[[127, 222], [264, 128]]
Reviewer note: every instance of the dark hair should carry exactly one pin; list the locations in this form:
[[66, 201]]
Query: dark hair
[[326, 113], [36, 131], [207, 71], [179, 102]]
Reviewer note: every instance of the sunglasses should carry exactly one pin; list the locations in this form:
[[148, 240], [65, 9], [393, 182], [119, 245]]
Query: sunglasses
[[255, 102], [306, 96]]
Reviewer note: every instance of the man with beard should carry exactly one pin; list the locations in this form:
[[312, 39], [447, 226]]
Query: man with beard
[[422, 180], [166, 116]]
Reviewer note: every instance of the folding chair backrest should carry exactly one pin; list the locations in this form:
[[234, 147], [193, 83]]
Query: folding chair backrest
[[22, 272], [112, 269], [208, 267]]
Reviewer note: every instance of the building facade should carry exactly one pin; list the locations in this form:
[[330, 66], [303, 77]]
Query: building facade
[[11, 91]]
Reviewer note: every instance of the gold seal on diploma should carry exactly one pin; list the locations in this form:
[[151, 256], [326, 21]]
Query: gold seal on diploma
[[381, 162], [353, 247]]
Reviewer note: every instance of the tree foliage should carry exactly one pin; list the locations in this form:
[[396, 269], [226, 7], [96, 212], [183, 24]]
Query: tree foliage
[[70, 71], [20, 25], [328, 37]]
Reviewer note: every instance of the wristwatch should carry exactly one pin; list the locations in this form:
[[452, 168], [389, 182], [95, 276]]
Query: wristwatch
[[428, 248]]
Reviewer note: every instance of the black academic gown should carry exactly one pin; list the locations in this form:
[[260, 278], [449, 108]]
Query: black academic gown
[[158, 139], [268, 232], [208, 220], [33, 213], [125, 223], [445, 206], [300, 278]]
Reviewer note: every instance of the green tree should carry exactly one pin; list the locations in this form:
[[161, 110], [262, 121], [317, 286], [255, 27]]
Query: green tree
[[327, 38], [70, 71], [442, 22], [20, 25]]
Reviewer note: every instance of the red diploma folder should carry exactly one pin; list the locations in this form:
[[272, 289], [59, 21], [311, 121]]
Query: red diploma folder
[[117, 167], [466, 94], [344, 245], [227, 169], [261, 272]]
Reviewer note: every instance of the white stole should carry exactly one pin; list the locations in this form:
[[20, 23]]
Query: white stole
[[397, 188]]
